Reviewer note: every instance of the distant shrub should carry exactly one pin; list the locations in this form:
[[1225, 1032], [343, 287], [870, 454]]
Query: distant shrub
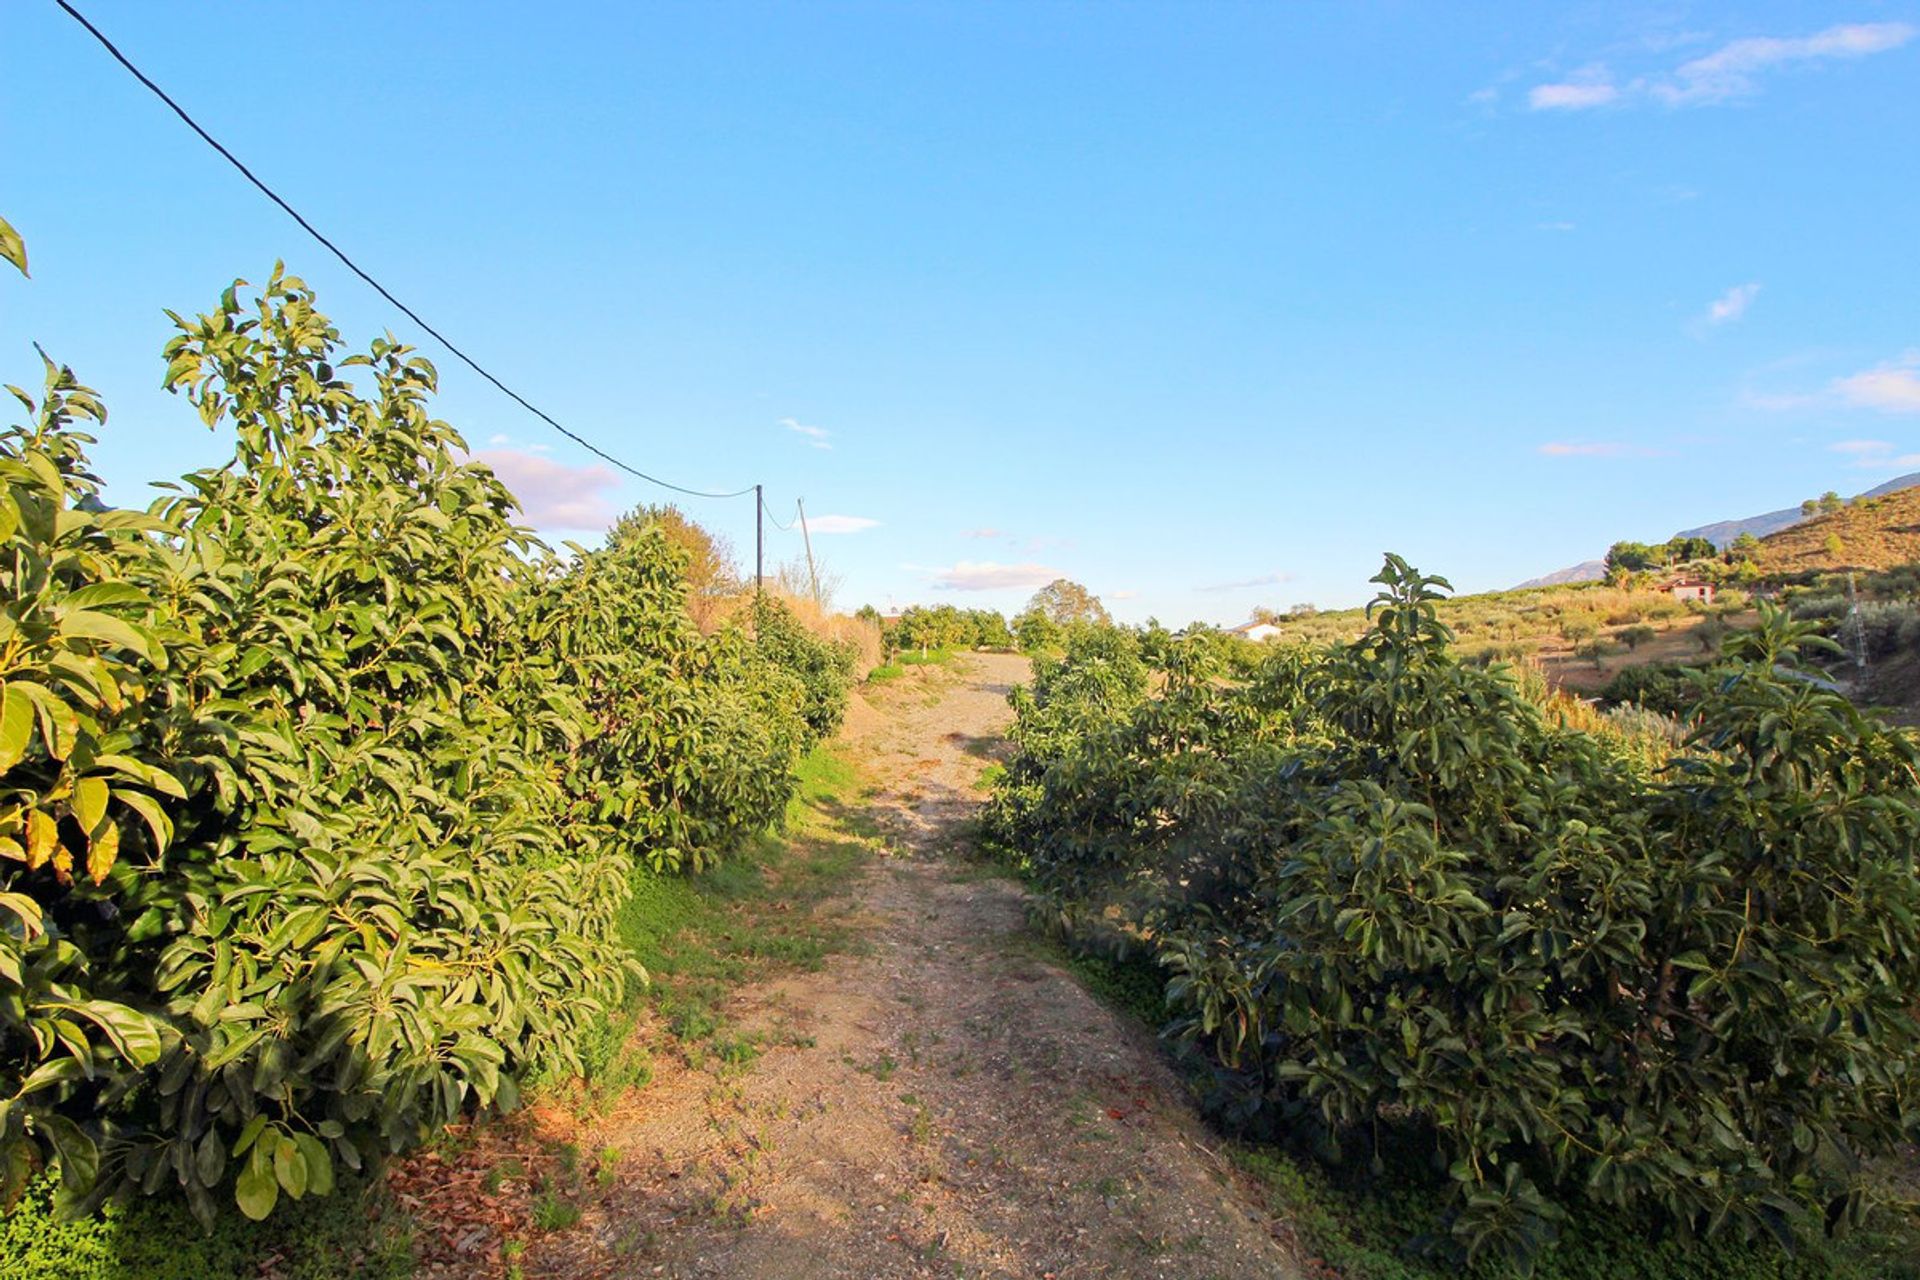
[[1881, 628], [1578, 627], [1635, 636], [1666, 688]]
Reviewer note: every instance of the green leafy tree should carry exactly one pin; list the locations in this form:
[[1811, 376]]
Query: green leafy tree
[[1035, 632], [1392, 892], [709, 570], [1680, 549], [1635, 636], [1065, 602], [1830, 502], [1631, 556], [321, 782]]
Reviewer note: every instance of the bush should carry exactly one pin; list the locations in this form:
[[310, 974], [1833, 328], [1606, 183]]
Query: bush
[[1666, 688], [323, 781], [824, 668], [1578, 627], [1388, 888], [945, 627], [1635, 636]]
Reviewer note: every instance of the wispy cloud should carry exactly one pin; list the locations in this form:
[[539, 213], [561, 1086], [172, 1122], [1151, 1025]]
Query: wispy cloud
[[1731, 72], [840, 524], [1876, 455], [986, 575], [1273, 579], [1893, 387], [815, 436], [1596, 449], [1587, 88], [1122, 595], [1556, 226], [553, 495], [1732, 304], [983, 533]]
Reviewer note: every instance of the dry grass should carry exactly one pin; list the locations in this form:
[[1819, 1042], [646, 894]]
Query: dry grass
[[864, 636], [1876, 533]]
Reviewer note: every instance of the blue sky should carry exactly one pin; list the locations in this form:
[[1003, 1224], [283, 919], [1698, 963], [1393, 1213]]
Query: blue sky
[[1202, 305]]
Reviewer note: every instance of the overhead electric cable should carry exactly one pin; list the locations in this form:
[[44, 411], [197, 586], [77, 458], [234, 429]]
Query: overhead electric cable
[[377, 287], [784, 528]]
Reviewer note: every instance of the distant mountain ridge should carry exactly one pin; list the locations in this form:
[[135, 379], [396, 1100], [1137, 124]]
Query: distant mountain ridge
[[1721, 534]]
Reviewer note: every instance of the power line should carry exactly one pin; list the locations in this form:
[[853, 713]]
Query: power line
[[784, 528], [377, 287]]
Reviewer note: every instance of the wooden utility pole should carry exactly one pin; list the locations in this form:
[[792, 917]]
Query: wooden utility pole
[[807, 538], [759, 543]]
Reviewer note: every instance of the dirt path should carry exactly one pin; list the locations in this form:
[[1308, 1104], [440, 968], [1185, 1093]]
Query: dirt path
[[944, 1104]]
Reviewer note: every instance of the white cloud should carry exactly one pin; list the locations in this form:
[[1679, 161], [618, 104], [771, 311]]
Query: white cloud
[[1891, 388], [983, 533], [1122, 595], [499, 438], [1732, 304], [815, 436], [986, 575], [1731, 71], [840, 524], [1273, 579], [1585, 90], [553, 495], [1862, 446]]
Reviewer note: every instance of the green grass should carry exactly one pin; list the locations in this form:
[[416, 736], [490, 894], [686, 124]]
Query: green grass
[[761, 911], [897, 666], [352, 1232]]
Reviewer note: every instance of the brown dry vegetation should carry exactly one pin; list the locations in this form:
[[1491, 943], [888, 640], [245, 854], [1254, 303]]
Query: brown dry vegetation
[[1874, 533], [1556, 627]]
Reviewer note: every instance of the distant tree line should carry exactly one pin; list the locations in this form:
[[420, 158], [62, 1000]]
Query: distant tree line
[[1636, 556]]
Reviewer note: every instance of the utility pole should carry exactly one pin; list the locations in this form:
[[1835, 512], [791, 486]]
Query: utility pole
[[807, 538], [759, 543]]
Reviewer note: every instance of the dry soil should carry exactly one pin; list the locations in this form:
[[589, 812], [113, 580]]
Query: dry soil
[[944, 1102]]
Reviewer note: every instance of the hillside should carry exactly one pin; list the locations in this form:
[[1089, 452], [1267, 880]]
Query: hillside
[[1721, 533], [1585, 571], [1875, 533]]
